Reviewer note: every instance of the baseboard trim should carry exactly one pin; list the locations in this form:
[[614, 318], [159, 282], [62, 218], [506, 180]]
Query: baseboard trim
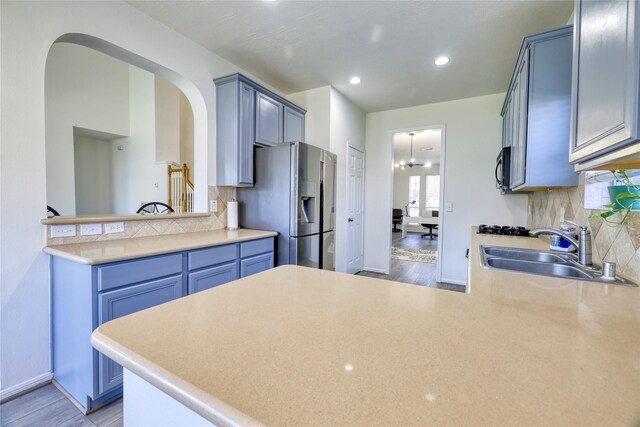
[[454, 282], [375, 270], [25, 387]]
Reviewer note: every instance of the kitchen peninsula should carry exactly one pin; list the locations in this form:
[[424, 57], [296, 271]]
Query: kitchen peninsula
[[95, 282], [297, 346]]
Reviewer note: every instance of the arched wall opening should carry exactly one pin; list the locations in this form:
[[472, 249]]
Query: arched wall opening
[[134, 123]]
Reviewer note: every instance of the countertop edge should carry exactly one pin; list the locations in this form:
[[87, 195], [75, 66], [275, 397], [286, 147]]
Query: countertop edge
[[56, 251], [90, 219], [209, 407]]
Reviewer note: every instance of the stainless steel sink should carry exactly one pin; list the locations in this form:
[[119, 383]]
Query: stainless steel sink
[[543, 263], [544, 268], [527, 255]]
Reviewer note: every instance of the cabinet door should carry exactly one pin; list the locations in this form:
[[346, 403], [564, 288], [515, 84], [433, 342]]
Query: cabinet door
[[121, 302], [268, 120], [506, 126], [247, 134], [212, 277], [293, 125], [519, 153], [256, 264], [606, 65], [515, 132]]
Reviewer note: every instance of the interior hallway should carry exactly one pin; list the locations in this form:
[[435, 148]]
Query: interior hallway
[[416, 273]]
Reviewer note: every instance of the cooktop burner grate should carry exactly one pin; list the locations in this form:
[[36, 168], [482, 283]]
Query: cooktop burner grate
[[503, 230]]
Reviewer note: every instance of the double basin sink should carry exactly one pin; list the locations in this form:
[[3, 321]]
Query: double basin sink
[[543, 263]]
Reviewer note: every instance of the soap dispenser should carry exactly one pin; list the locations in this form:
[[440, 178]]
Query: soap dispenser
[[560, 244]]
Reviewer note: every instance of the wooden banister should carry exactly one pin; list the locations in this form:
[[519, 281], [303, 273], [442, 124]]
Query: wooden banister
[[186, 182]]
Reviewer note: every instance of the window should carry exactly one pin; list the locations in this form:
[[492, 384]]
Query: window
[[414, 194], [433, 192]]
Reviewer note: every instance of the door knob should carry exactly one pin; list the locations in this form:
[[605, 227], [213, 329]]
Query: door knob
[[350, 219]]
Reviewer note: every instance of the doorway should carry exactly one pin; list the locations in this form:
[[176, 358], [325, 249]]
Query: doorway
[[417, 198]]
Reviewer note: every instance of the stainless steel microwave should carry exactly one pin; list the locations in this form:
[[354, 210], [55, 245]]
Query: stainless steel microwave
[[503, 169]]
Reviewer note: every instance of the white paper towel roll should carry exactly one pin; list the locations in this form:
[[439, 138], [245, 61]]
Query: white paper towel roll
[[232, 215]]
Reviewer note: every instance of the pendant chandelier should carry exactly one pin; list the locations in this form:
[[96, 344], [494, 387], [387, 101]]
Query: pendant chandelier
[[412, 161]]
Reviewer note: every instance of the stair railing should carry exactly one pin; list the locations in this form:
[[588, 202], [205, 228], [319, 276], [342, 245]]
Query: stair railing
[[180, 189]]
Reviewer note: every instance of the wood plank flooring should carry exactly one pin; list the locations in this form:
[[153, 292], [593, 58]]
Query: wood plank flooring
[[417, 273], [47, 406]]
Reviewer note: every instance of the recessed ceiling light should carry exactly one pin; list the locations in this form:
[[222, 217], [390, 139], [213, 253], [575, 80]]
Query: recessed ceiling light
[[354, 80], [442, 60]]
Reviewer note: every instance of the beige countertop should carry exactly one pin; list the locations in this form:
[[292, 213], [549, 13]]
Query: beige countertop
[[102, 252], [296, 346]]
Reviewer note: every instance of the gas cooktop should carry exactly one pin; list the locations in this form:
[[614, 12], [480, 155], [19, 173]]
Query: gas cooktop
[[503, 230]]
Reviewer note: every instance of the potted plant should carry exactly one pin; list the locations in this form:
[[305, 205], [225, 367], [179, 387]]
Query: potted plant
[[624, 196]]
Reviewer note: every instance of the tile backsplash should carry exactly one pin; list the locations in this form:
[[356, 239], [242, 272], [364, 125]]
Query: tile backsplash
[[619, 244], [156, 225]]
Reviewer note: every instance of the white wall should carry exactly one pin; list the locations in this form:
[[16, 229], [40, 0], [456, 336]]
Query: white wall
[[167, 121], [186, 133], [83, 88], [138, 177], [27, 32], [472, 142], [317, 102]]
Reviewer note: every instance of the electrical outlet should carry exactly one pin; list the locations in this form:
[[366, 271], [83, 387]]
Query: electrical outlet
[[213, 206], [114, 227], [68, 230], [90, 229]]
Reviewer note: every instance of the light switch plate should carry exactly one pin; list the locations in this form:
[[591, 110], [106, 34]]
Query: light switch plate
[[90, 229], [449, 207], [67, 230], [113, 227], [213, 206]]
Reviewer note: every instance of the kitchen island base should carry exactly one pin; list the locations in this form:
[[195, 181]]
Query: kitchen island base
[[146, 405]]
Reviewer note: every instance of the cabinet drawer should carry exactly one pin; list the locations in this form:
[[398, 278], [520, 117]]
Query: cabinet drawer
[[121, 302], [211, 277], [112, 276], [256, 264], [256, 247], [212, 256]]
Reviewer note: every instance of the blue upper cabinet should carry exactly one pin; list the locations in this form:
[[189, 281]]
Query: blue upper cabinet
[[269, 119], [606, 85], [293, 125], [249, 114], [536, 113], [235, 132]]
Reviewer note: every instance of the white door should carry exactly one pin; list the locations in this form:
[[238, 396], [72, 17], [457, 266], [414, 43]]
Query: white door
[[355, 191]]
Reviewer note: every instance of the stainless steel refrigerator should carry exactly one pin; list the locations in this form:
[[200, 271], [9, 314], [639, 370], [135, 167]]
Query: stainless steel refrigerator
[[293, 194]]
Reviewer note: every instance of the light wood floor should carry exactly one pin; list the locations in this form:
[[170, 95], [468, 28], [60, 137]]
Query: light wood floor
[[417, 273], [47, 406]]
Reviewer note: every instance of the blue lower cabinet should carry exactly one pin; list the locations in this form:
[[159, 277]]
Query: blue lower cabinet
[[121, 302], [256, 264], [85, 296], [211, 277]]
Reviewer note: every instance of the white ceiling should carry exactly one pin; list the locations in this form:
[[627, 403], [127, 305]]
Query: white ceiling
[[422, 139], [391, 45]]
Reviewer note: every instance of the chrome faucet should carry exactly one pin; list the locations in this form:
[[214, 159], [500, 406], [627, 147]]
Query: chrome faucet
[[582, 244]]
